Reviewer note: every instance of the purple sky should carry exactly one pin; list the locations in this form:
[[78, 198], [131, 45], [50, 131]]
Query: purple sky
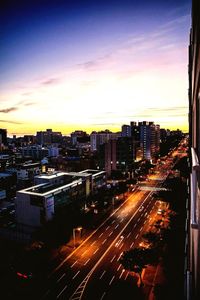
[[78, 64]]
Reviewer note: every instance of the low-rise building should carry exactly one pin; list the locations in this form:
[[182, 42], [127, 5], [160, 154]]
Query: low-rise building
[[37, 205]]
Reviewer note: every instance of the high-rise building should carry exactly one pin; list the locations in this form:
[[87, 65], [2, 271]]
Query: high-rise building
[[117, 155], [125, 153], [100, 138], [149, 139], [157, 139], [48, 137], [79, 136], [192, 268], [126, 131], [110, 156], [135, 131], [3, 137]]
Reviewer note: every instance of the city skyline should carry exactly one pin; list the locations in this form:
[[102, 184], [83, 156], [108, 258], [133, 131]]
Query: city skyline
[[70, 66]]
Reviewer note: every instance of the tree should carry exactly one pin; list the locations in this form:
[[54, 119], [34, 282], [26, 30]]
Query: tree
[[151, 237], [136, 259]]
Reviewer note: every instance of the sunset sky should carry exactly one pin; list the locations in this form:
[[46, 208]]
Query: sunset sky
[[93, 65]]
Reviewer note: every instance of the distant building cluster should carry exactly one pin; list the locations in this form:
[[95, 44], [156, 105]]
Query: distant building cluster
[[39, 174]]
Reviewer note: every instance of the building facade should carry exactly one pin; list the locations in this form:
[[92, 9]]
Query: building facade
[[99, 138], [149, 139], [192, 268], [38, 204]]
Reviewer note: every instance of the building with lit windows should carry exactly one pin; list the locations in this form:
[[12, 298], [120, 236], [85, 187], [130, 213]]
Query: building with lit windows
[[149, 139], [99, 138], [48, 137], [126, 130], [38, 204]]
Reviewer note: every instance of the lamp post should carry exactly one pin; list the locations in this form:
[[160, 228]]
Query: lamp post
[[113, 200], [74, 234]]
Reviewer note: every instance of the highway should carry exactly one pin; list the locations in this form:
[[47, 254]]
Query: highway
[[93, 268]]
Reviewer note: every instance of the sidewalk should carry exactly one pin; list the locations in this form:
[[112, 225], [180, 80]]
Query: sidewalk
[[152, 276]]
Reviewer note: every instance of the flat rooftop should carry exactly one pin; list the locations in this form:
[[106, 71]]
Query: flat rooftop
[[45, 189], [93, 172]]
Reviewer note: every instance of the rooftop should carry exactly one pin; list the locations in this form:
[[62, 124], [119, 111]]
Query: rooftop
[[45, 189]]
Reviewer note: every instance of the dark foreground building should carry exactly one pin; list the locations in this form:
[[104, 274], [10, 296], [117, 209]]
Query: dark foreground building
[[193, 264]]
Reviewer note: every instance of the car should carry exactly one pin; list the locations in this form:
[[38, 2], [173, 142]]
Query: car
[[144, 244], [160, 211], [119, 241], [141, 208], [24, 275]]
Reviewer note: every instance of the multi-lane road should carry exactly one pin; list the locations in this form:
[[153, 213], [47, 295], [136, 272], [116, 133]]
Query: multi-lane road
[[93, 270]]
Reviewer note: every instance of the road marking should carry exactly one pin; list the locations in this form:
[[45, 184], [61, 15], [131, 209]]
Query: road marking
[[107, 227], [116, 226], [121, 273], [109, 217], [102, 274], [132, 244], [119, 256], [113, 258], [101, 234], [84, 252], [96, 251], [86, 262], [61, 277], [93, 243], [104, 241], [146, 214], [126, 275], [134, 225], [110, 233], [141, 228], [112, 280], [103, 296], [111, 244], [119, 267], [61, 292], [121, 246], [73, 264], [128, 235], [136, 236], [75, 274]]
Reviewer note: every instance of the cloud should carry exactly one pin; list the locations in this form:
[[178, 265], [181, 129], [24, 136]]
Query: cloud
[[29, 103], [174, 108], [49, 81], [106, 124], [11, 122], [16, 107], [26, 94], [172, 112], [8, 110], [89, 64]]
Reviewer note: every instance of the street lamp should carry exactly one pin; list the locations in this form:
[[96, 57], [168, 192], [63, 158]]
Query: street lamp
[[113, 200], [74, 234]]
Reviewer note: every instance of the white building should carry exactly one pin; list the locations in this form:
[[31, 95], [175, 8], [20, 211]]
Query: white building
[[37, 205]]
